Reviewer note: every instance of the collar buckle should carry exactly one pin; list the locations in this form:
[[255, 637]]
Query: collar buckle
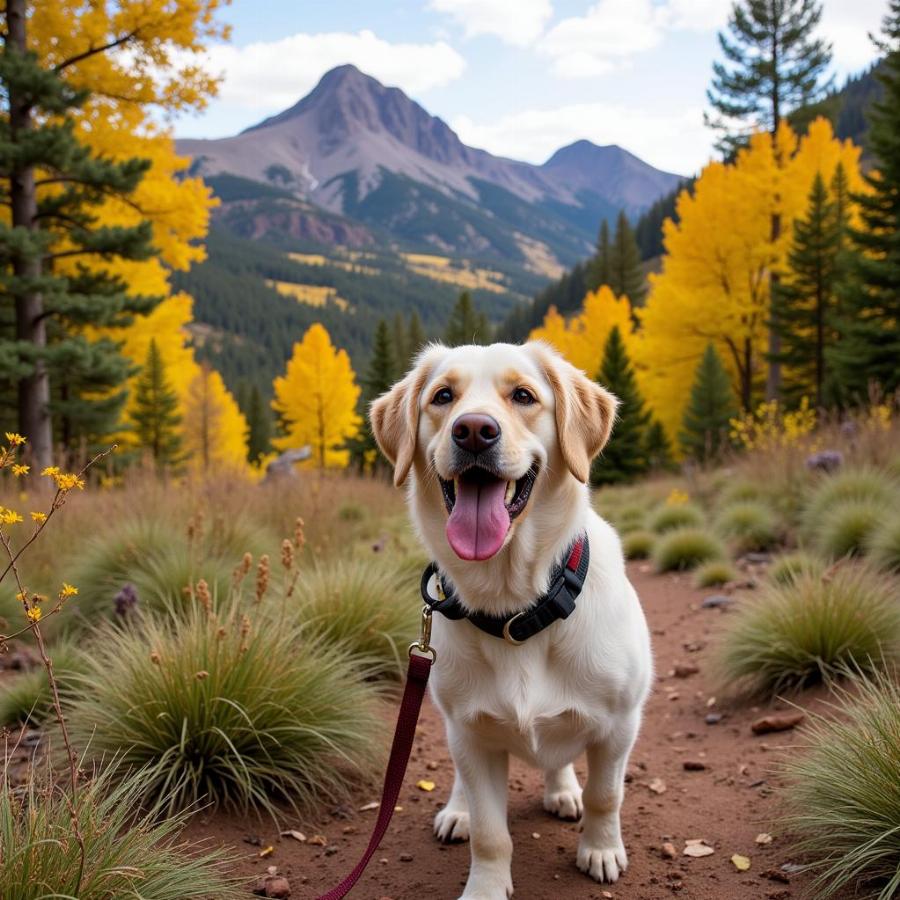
[[506, 633]]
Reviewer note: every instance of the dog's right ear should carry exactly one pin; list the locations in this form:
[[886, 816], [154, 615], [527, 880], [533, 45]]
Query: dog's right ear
[[395, 415]]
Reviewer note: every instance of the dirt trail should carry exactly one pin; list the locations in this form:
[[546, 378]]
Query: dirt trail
[[727, 800]]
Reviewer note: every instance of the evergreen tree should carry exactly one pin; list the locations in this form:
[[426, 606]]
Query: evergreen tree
[[399, 345], [382, 371], [415, 339], [625, 457], [804, 309], [658, 448], [705, 428], [869, 346], [259, 420], [42, 341], [599, 268], [155, 412], [467, 325], [626, 271]]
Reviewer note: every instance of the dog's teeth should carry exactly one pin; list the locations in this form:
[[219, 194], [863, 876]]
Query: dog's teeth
[[510, 491]]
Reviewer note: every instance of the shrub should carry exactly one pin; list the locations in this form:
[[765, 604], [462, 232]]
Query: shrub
[[227, 709], [668, 518], [750, 524], [629, 518], [844, 791], [846, 528], [739, 492], [367, 608], [788, 566], [638, 544], [25, 697], [714, 574], [883, 544], [127, 853], [860, 484], [810, 627], [686, 548]]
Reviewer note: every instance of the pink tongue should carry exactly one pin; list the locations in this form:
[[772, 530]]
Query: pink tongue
[[478, 524]]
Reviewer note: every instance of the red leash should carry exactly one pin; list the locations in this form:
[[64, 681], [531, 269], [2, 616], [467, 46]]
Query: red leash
[[404, 734]]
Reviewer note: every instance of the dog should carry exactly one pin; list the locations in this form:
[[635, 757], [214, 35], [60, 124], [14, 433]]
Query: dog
[[495, 444]]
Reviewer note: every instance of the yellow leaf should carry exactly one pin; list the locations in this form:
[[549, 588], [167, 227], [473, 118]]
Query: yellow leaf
[[266, 851], [741, 863], [425, 785]]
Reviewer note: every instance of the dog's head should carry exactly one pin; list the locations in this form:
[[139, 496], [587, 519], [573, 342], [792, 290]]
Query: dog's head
[[491, 423]]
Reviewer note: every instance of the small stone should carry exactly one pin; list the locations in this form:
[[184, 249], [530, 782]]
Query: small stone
[[425, 785], [715, 601], [713, 718], [694, 765], [777, 722], [431, 765], [697, 847], [319, 840], [669, 851], [330, 851], [606, 895], [273, 886], [764, 838], [657, 785], [741, 863], [406, 857], [369, 806], [685, 670], [776, 875], [296, 835], [536, 835]]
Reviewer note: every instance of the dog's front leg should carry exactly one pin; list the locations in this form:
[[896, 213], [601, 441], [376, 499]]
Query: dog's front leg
[[601, 853], [484, 776]]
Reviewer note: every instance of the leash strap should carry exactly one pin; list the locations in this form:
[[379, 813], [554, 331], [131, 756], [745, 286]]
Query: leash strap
[[416, 682]]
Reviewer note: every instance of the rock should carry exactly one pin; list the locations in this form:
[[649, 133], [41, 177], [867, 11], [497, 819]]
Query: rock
[[764, 838], [741, 863], [685, 670], [694, 765], [697, 847], [273, 886], [825, 461], [296, 835], [284, 466], [406, 857], [669, 851], [657, 785], [330, 851], [776, 875], [758, 558], [777, 722], [714, 601], [713, 718]]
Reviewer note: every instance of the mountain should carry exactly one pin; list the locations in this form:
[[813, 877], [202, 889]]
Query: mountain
[[356, 150]]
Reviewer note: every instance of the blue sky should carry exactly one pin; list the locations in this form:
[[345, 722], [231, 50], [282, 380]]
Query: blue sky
[[517, 77]]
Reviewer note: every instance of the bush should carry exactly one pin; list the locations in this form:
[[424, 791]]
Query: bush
[[787, 567], [750, 524], [668, 518], [227, 709], [127, 853], [629, 518], [25, 697], [366, 608], [844, 791], [810, 628], [740, 492], [859, 484], [883, 544], [638, 544], [846, 528], [714, 574], [686, 548]]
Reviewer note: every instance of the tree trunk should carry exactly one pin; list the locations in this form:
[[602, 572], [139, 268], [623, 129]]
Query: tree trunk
[[34, 389], [773, 378]]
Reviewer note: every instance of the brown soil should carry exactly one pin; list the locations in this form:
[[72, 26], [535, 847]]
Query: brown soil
[[727, 803]]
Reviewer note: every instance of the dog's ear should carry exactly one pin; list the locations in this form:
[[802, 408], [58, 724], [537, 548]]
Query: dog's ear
[[585, 411], [395, 415]]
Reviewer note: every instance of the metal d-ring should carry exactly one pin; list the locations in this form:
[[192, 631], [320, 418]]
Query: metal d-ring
[[506, 635]]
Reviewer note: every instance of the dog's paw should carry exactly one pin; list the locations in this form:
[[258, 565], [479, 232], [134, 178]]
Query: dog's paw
[[488, 886], [566, 804], [602, 863], [451, 825]]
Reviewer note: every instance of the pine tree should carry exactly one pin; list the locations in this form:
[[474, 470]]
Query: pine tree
[[259, 439], [155, 412], [382, 371], [467, 325], [415, 339], [38, 148], [625, 456], [399, 346], [658, 447], [599, 269], [869, 346], [626, 272], [705, 428], [804, 309]]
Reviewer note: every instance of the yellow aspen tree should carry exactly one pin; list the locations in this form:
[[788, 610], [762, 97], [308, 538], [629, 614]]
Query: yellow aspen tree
[[316, 400], [581, 340], [215, 430]]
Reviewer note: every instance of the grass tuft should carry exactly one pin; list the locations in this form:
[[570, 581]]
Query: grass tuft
[[883, 544], [686, 548], [846, 528], [715, 573], [843, 794], [750, 524], [638, 544], [128, 853], [668, 518], [789, 566], [740, 492], [810, 628], [864, 483], [231, 709]]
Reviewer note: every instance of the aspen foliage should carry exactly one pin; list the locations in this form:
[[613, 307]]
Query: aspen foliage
[[215, 430]]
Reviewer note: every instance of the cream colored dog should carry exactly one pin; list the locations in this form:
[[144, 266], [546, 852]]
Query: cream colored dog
[[498, 442]]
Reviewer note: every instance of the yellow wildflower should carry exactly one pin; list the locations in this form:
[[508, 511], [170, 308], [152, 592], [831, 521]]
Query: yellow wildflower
[[51, 471], [34, 613], [9, 516], [15, 440], [677, 498], [67, 481], [68, 590], [22, 596], [20, 470], [39, 516]]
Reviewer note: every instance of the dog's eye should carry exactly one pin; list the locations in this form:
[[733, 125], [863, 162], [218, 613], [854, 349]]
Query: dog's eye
[[523, 396], [442, 397]]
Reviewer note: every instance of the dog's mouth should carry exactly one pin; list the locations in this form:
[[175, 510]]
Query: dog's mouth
[[482, 506]]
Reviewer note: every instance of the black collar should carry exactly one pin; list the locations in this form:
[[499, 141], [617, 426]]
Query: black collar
[[558, 603]]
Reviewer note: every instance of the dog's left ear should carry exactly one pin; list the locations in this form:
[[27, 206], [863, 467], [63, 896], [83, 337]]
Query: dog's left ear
[[395, 415], [585, 411]]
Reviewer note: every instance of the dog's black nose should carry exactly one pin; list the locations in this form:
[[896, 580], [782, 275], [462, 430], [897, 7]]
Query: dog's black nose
[[475, 432]]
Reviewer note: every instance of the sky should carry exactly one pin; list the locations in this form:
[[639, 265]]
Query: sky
[[519, 78]]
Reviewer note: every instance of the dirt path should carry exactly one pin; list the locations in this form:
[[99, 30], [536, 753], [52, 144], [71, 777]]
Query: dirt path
[[727, 803]]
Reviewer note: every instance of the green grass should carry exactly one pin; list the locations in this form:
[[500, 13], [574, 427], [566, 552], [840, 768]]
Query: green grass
[[845, 529], [789, 566], [367, 607], [810, 628], [686, 548], [843, 792], [751, 525], [863, 483], [883, 544], [629, 518], [668, 518], [638, 544], [129, 852], [228, 708], [715, 573]]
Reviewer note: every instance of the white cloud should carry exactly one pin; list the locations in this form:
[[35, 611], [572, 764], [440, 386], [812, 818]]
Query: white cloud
[[847, 23], [517, 22], [676, 141], [273, 75]]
